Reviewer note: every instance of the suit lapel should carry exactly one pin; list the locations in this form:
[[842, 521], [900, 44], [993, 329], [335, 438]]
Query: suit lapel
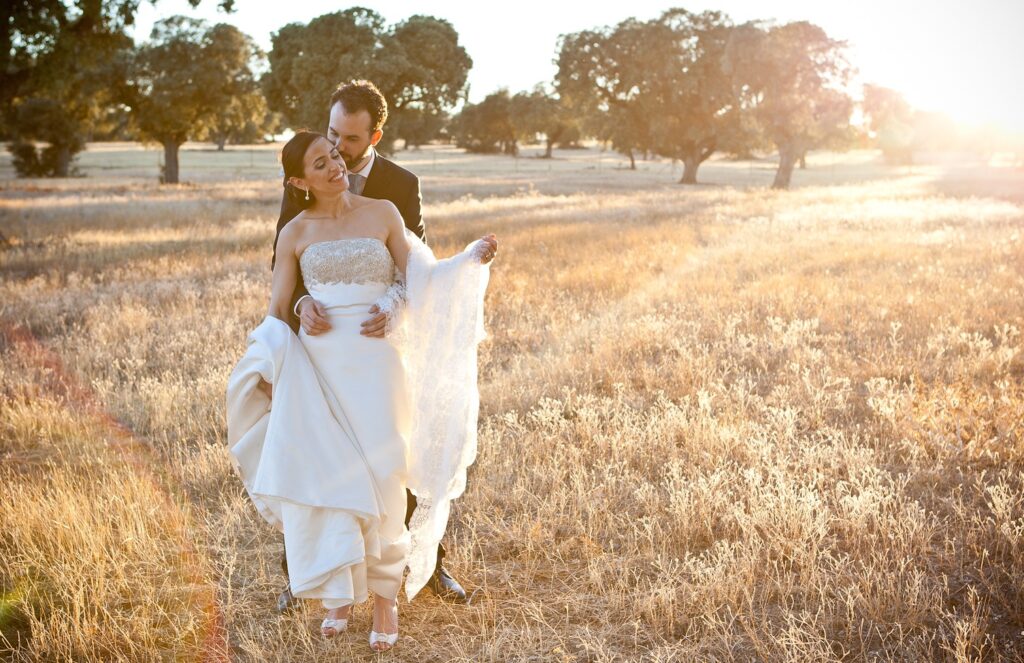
[[377, 182]]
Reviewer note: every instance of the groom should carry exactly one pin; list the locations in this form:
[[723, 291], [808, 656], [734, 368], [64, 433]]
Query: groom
[[358, 113]]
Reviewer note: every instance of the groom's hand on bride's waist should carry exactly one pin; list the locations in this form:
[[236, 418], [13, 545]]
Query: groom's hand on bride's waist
[[376, 325], [313, 316]]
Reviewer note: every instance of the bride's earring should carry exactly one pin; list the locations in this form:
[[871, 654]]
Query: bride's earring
[[307, 194]]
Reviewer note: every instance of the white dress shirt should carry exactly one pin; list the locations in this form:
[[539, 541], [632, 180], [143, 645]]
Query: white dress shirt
[[365, 170]]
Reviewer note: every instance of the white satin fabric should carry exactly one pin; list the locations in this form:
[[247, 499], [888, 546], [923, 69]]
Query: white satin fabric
[[357, 419]]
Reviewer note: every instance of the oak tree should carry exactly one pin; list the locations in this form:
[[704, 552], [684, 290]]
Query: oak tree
[[603, 79], [793, 78], [60, 65], [539, 112], [694, 109], [245, 117], [417, 64], [891, 119], [182, 78], [487, 126]]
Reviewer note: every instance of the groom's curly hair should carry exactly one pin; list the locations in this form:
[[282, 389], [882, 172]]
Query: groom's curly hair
[[362, 95]]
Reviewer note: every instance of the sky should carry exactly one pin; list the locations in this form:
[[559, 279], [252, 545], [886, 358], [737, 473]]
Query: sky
[[961, 58]]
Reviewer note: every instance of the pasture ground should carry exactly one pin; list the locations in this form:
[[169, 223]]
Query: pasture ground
[[717, 422]]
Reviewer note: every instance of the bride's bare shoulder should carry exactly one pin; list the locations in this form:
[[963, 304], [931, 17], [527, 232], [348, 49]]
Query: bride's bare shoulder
[[293, 230], [298, 221], [382, 207], [378, 204]]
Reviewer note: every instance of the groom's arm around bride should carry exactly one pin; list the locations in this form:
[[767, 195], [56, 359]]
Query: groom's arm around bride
[[358, 112]]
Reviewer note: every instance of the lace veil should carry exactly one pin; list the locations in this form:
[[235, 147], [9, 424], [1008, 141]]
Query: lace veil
[[437, 331]]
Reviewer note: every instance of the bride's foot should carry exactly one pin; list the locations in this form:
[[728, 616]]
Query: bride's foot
[[336, 621], [385, 618]]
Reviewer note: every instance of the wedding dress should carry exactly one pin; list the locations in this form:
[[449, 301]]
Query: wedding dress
[[355, 420]]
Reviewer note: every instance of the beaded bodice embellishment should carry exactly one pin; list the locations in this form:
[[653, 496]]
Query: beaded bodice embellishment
[[353, 260]]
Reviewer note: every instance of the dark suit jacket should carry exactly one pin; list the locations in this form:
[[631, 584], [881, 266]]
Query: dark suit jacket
[[387, 181]]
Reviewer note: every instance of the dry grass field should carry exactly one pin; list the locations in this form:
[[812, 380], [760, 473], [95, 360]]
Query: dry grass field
[[718, 423]]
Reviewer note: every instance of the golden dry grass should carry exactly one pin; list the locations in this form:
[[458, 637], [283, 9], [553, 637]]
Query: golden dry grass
[[717, 423]]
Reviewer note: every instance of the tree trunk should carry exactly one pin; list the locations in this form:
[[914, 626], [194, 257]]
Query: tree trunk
[[221, 141], [803, 160], [787, 159], [632, 159], [171, 162], [63, 164], [548, 148], [690, 165]]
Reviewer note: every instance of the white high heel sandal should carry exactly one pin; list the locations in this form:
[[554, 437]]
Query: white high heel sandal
[[388, 639], [339, 625]]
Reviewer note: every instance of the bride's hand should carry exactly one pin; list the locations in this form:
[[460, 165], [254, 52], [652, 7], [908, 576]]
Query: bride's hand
[[487, 249], [375, 326], [313, 317]]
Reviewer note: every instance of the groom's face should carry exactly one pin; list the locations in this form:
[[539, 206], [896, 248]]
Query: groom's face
[[351, 133]]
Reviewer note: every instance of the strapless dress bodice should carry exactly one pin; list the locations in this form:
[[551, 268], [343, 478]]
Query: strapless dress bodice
[[358, 260]]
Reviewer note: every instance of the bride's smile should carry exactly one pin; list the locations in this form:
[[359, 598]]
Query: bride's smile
[[325, 174]]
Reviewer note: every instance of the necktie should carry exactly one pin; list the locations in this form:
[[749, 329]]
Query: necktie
[[356, 183]]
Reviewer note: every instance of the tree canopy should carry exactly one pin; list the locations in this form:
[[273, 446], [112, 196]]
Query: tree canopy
[[417, 64], [890, 118], [540, 112], [59, 61], [502, 120], [182, 80], [487, 126], [602, 79], [696, 110], [245, 117], [793, 78], [687, 84], [657, 85]]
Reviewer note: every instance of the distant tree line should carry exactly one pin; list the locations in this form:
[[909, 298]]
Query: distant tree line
[[501, 121], [688, 85], [683, 86], [71, 74], [901, 131]]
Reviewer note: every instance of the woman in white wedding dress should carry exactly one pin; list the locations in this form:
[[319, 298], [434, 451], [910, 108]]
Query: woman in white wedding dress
[[328, 459]]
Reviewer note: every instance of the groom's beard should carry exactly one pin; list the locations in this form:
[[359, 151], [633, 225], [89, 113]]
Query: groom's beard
[[354, 163]]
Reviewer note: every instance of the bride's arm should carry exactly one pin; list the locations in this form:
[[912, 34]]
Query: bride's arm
[[387, 306], [286, 273], [397, 243]]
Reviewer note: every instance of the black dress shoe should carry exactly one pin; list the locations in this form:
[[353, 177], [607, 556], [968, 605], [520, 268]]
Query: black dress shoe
[[446, 587], [285, 600]]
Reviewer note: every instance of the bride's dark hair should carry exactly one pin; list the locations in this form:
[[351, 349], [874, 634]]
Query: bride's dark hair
[[292, 156]]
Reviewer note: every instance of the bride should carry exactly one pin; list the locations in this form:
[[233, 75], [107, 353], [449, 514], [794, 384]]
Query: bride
[[327, 431]]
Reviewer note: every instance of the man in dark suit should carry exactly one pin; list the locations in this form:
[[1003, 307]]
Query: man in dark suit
[[358, 113]]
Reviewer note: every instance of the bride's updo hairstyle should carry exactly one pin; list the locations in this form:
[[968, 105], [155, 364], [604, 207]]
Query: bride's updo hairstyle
[[293, 155]]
